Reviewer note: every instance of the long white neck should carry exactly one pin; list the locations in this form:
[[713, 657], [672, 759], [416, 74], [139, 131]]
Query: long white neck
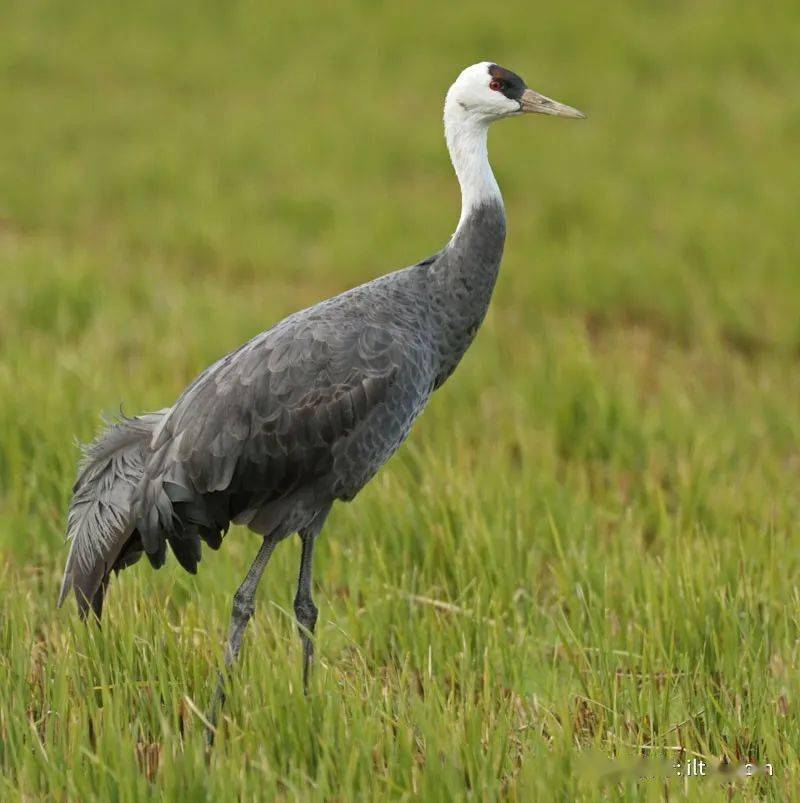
[[466, 136]]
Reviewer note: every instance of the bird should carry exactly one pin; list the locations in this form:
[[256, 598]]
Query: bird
[[304, 414]]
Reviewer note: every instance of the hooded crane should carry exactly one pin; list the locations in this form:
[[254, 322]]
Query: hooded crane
[[304, 414]]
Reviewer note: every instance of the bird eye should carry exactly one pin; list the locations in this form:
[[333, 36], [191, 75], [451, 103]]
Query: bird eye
[[495, 84]]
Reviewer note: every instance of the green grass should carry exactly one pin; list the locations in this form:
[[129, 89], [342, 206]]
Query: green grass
[[589, 543]]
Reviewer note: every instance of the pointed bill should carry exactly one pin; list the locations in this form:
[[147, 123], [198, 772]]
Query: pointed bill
[[532, 102]]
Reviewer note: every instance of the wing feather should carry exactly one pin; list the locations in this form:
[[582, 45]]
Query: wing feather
[[260, 423]]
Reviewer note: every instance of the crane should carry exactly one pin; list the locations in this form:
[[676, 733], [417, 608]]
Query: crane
[[305, 413]]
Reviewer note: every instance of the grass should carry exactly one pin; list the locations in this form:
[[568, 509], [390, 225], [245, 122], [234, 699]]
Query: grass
[[587, 550]]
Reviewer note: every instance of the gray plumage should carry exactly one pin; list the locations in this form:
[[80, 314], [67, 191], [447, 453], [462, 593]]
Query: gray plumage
[[98, 523], [300, 416]]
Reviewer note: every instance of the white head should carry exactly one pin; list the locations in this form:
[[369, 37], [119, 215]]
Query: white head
[[483, 93], [487, 92]]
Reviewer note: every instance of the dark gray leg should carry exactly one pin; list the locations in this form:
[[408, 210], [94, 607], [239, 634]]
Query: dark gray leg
[[243, 607], [304, 608]]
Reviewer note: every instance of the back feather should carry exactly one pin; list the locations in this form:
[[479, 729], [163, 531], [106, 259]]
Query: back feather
[[99, 523]]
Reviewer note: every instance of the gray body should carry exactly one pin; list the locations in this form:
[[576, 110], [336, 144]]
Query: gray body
[[302, 415]]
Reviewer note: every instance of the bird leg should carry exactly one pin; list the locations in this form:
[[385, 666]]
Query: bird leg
[[243, 607], [304, 608]]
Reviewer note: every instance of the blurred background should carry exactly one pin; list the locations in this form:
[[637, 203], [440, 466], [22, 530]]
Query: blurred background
[[588, 540]]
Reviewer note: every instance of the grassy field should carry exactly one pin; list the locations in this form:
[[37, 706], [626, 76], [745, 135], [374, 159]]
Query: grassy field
[[586, 552]]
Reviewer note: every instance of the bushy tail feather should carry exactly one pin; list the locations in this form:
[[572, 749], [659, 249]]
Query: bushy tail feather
[[100, 521]]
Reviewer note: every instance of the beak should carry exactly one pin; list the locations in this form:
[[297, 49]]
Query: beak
[[533, 103]]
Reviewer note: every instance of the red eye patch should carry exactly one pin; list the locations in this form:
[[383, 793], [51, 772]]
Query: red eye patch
[[496, 85]]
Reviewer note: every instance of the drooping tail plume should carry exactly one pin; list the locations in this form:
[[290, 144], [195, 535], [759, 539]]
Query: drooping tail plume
[[100, 523]]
